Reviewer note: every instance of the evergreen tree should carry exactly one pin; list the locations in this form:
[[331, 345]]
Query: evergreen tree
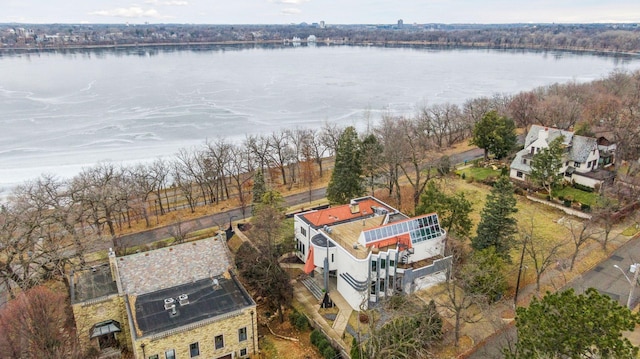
[[566, 325], [372, 159], [497, 227], [453, 210], [259, 187], [346, 179], [494, 134]]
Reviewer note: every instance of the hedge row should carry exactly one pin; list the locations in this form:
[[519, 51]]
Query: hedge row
[[321, 342]]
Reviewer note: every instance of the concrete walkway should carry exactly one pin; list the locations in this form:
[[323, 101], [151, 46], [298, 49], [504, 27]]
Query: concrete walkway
[[342, 319], [312, 306], [567, 210]]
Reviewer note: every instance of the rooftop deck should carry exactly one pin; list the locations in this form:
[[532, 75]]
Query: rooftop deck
[[346, 234], [207, 299], [93, 283]]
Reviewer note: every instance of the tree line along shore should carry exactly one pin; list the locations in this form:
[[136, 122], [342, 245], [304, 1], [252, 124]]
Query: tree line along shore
[[605, 38]]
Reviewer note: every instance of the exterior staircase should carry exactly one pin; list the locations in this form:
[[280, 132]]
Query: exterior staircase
[[313, 287]]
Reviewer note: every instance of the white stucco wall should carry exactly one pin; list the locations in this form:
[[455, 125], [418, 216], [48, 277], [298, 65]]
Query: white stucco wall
[[430, 280]]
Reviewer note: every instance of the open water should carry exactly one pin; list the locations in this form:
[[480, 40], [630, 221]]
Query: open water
[[60, 111]]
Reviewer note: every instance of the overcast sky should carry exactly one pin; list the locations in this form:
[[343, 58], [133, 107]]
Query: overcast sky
[[331, 11]]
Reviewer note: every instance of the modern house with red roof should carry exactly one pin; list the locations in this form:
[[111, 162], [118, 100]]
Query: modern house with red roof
[[371, 249]]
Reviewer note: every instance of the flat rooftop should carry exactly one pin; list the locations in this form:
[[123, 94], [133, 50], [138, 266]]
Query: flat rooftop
[[93, 283], [207, 299], [346, 234]]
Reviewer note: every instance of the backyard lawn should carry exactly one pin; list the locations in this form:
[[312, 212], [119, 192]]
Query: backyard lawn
[[478, 173], [576, 195]]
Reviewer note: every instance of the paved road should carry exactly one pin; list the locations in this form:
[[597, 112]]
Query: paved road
[[222, 218], [217, 219], [606, 278]]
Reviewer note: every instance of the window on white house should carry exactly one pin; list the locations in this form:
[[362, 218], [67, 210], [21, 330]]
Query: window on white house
[[303, 231], [374, 265], [576, 164], [519, 174], [589, 164]]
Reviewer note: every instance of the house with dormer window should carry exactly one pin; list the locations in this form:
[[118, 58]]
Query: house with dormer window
[[370, 250], [583, 160]]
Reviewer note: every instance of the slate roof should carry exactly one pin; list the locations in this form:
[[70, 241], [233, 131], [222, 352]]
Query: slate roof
[[581, 147], [173, 266], [517, 164], [534, 132]]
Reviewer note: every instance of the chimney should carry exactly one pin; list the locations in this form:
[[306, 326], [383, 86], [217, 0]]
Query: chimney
[[354, 206], [543, 134], [115, 273]]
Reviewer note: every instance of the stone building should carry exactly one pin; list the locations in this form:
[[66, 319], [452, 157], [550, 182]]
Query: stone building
[[181, 301]]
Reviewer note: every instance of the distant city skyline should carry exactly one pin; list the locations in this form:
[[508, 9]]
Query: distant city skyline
[[312, 11]]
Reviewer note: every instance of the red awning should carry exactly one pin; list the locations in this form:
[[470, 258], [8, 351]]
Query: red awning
[[308, 265]]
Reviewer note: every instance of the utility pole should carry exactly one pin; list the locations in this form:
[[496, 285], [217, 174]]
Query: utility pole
[[515, 297]]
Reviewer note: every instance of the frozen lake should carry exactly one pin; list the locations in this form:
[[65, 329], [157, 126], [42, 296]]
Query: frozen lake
[[60, 111]]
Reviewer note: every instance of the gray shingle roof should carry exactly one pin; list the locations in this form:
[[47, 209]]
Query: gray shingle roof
[[517, 162], [172, 266], [581, 147], [534, 132]]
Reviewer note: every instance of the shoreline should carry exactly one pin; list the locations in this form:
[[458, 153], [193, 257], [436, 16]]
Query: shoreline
[[400, 43]]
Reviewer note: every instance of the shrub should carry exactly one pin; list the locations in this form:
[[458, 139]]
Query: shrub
[[315, 337], [463, 176], [585, 207], [355, 349], [582, 187], [302, 323], [323, 344], [329, 353], [567, 203], [364, 318], [298, 320]]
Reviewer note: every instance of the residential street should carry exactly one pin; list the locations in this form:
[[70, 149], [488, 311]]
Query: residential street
[[606, 278], [223, 218]]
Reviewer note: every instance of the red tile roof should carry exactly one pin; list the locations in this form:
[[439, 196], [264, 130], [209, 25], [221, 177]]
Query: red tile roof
[[343, 213]]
